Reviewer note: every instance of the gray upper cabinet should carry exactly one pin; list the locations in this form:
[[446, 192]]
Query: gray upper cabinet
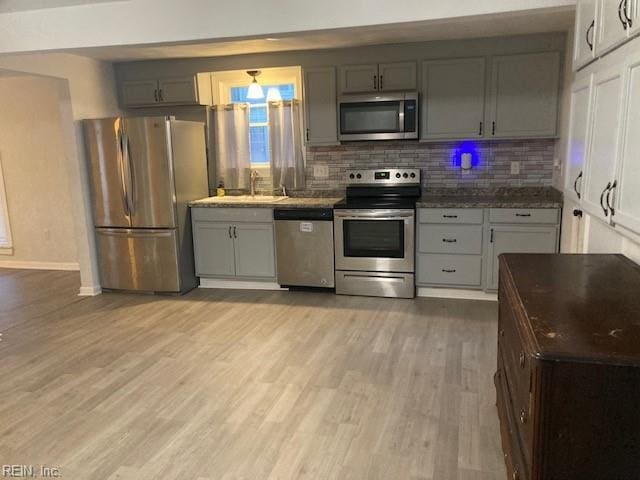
[[254, 250], [358, 78], [613, 24], [524, 96], [585, 33], [453, 98], [384, 77], [517, 239], [397, 76], [188, 90], [321, 121]]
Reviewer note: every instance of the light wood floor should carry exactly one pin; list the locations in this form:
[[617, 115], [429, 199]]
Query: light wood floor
[[245, 385]]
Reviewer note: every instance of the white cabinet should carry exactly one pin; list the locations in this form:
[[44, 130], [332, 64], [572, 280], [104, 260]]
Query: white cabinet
[[397, 76], [188, 90], [603, 148], [384, 77], [213, 249], [453, 98], [627, 190], [613, 24], [577, 141], [524, 95], [517, 239], [254, 250], [321, 121], [585, 33]]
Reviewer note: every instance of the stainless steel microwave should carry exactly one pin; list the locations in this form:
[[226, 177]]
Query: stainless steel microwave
[[384, 116]]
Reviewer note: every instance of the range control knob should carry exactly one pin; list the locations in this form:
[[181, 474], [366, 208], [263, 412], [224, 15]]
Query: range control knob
[[405, 175], [412, 175], [352, 176], [358, 176], [398, 175]]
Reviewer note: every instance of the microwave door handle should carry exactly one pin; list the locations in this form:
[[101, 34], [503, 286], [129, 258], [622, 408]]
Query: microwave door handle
[[401, 117]]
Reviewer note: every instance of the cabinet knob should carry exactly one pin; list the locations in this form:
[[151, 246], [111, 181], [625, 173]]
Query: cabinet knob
[[515, 475], [577, 212], [523, 358], [501, 333]]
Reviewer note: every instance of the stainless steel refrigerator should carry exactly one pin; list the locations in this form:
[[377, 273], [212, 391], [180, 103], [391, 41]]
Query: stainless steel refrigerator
[[143, 172]]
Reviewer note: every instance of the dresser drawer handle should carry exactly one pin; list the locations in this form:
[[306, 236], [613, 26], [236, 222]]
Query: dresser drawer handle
[[449, 216], [523, 358], [523, 214], [447, 270], [523, 416], [449, 240]]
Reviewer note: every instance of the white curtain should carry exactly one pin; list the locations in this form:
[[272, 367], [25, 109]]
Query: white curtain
[[232, 146], [285, 138]]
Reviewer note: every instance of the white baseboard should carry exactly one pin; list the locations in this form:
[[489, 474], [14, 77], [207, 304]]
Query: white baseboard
[[70, 266], [239, 284], [90, 291], [456, 293]]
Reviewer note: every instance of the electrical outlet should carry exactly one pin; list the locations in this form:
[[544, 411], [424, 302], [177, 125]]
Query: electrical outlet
[[515, 168], [321, 171]]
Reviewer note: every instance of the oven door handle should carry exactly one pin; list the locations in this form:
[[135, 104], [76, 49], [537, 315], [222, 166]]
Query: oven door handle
[[380, 215]]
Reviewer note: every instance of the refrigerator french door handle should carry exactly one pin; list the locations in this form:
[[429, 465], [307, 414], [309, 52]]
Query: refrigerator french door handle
[[131, 187], [123, 181]]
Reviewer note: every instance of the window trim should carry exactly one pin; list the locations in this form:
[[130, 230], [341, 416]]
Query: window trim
[[6, 246]]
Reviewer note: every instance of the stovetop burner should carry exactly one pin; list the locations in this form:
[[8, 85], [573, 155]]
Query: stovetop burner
[[382, 189]]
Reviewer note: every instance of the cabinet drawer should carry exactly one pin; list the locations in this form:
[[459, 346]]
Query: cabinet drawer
[[523, 215], [450, 215], [208, 214], [455, 270], [452, 239]]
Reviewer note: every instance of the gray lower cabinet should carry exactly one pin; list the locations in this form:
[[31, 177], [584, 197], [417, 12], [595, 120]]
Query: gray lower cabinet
[[234, 243], [459, 247], [517, 239]]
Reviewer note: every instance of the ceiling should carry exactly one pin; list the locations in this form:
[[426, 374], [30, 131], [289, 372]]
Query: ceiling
[[554, 20]]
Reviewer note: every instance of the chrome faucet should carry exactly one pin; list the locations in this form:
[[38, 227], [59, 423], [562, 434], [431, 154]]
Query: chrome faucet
[[253, 177]]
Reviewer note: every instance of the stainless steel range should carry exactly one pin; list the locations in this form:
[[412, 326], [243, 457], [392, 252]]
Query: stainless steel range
[[374, 230]]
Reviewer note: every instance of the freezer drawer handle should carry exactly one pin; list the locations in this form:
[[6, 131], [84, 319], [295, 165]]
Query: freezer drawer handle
[[449, 240], [449, 270], [523, 214], [449, 216]]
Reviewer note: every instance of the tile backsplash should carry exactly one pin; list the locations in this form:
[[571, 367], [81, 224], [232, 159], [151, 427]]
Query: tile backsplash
[[437, 162]]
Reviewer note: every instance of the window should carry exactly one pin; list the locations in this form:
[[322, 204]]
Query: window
[[259, 119]]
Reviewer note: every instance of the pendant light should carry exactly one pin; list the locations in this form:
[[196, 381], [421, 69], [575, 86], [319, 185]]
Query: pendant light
[[255, 90], [273, 94]]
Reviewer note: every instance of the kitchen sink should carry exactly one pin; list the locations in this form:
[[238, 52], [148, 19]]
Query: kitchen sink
[[248, 199]]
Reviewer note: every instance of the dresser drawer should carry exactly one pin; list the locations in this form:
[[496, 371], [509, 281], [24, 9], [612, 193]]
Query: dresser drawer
[[524, 215], [472, 216], [455, 270], [452, 239]]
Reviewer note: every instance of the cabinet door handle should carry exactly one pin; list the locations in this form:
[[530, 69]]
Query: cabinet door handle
[[235, 235], [230, 236], [447, 270], [522, 359], [491, 239], [523, 214], [155, 94], [493, 128], [160, 95], [449, 240], [622, 20], [449, 216], [609, 199], [381, 87], [307, 134], [375, 82], [590, 30], [523, 416], [480, 130], [604, 209], [625, 9], [575, 185]]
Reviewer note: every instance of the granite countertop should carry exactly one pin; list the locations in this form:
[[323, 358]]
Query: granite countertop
[[290, 202], [495, 198]]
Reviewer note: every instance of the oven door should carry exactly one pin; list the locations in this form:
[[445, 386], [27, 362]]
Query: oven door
[[374, 240]]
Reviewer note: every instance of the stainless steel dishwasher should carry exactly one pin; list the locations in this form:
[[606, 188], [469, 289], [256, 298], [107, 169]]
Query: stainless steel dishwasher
[[304, 247]]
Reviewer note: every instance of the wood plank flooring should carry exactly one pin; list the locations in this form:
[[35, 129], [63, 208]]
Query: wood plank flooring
[[222, 384]]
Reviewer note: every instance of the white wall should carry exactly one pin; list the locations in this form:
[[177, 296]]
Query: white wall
[[157, 21], [87, 90], [33, 157]]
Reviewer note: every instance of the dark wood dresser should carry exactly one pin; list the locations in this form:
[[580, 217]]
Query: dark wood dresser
[[568, 377]]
